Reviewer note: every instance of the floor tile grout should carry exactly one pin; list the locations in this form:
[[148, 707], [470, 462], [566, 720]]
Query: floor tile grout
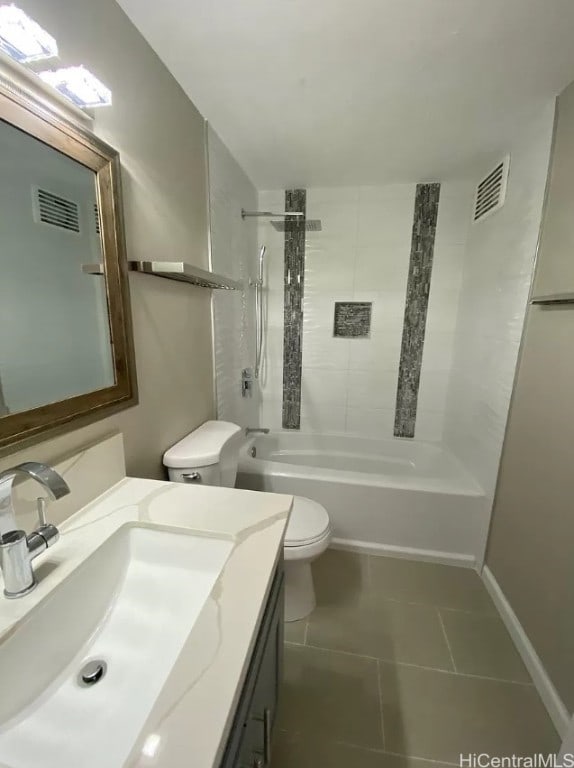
[[474, 612], [375, 750], [410, 664], [362, 595], [447, 641]]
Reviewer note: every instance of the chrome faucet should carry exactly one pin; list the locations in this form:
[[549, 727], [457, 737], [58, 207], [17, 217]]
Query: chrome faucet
[[256, 431], [17, 550]]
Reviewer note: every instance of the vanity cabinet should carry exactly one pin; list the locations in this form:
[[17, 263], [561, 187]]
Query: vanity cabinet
[[249, 744]]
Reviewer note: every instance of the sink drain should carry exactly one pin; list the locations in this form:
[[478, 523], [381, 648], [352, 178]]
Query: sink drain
[[92, 672]]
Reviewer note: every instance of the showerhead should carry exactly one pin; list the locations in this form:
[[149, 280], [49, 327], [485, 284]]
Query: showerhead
[[286, 225], [291, 220]]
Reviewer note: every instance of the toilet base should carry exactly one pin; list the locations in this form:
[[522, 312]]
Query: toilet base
[[299, 590]]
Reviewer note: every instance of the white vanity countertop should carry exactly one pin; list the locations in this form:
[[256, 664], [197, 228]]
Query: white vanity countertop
[[190, 721]]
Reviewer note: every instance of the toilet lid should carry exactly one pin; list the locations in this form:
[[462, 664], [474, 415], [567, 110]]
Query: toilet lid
[[309, 522]]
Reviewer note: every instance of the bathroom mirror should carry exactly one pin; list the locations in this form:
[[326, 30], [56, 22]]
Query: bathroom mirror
[[66, 350]]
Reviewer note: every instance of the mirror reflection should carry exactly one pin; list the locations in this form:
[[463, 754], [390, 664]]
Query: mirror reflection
[[54, 328]]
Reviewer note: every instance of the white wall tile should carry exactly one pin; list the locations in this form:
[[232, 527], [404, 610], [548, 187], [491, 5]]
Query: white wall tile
[[370, 422], [429, 426], [318, 195], [388, 309], [234, 253], [376, 195], [381, 352], [273, 348], [433, 391], [437, 351], [363, 254], [388, 222], [454, 217], [386, 267], [270, 413], [322, 350], [497, 271], [273, 308], [320, 417], [375, 388], [328, 269], [324, 385], [338, 221]]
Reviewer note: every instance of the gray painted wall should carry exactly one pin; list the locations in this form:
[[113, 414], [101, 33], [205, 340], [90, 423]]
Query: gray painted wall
[[160, 137], [531, 543]]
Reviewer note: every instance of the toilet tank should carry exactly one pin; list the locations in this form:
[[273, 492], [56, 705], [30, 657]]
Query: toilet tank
[[208, 455]]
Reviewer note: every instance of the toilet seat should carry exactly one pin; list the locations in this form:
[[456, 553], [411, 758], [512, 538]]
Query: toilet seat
[[308, 523]]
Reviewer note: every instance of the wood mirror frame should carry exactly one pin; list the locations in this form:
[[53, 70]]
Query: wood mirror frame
[[38, 117]]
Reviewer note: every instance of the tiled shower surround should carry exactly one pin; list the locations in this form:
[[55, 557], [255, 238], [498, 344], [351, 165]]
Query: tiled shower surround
[[416, 306], [362, 255], [294, 286], [234, 253]]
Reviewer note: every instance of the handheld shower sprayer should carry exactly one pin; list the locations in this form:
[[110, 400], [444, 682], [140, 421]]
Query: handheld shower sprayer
[[259, 312]]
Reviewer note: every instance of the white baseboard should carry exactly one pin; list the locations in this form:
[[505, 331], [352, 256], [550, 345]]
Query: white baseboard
[[407, 553], [548, 693]]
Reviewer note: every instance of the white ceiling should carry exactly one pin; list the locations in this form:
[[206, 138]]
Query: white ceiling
[[330, 92]]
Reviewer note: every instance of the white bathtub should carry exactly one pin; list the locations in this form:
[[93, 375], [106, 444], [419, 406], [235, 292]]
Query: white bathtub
[[400, 497]]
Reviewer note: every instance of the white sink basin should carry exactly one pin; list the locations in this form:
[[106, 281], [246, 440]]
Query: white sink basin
[[132, 604]]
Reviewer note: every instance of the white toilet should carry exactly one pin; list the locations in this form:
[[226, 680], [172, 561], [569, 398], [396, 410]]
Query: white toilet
[[210, 455]]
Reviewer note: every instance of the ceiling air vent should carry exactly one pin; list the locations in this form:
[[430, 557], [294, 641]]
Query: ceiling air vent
[[56, 211], [491, 191]]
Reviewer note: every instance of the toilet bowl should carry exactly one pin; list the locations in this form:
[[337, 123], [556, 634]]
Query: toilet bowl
[[209, 455], [307, 536]]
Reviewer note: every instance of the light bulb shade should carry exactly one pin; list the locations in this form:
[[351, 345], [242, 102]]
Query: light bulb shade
[[22, 38], [79, 85]]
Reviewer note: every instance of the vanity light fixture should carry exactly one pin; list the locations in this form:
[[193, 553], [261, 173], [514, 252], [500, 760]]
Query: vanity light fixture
[[79, 85], [22, 38]]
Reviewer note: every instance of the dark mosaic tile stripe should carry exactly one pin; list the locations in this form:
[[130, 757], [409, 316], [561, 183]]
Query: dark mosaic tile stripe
[[418, 287], [294, 276]]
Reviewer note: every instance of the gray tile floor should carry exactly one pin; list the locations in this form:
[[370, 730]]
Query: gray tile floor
[[403, 663]]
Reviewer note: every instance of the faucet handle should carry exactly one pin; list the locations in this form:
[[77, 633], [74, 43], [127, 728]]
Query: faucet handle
[[42, 504], [46, 530]]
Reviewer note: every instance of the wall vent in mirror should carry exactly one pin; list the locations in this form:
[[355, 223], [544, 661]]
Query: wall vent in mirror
[[55, 210], [491, 190]]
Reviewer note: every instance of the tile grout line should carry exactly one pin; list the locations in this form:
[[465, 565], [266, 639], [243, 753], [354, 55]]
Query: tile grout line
[[413, 666], [485, 614], [377, 751], [447, 641], [382, 718]]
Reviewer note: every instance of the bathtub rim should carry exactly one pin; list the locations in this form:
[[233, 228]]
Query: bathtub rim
[[256, 466]]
